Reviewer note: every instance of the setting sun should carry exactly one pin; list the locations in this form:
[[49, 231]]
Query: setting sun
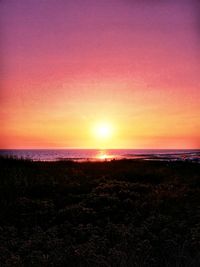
[[103, 131]]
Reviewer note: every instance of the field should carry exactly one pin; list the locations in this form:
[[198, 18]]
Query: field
[[117, 213]]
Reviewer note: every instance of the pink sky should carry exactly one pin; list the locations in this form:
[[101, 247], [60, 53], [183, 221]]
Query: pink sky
[[67, 65]]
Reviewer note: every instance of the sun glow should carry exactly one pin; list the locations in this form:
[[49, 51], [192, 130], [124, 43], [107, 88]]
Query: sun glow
[[103, 131]]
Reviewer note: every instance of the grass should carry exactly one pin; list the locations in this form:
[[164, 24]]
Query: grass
[[118, 213]]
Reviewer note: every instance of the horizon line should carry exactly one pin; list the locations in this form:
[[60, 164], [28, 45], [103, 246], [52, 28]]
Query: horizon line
[[81, 148]]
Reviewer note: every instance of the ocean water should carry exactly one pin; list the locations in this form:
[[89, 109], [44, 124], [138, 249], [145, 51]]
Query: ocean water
[[103, 154]]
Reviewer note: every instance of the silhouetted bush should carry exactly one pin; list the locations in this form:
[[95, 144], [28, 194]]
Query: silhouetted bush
[[118, 213]]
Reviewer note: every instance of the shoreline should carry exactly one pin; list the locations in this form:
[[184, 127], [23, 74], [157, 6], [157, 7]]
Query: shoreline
[[103, 155], [91, 160]]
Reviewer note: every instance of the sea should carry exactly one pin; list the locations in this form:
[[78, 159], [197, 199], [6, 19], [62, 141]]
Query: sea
[[103, 154]]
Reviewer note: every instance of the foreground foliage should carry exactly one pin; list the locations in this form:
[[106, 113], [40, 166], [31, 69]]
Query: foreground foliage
[[118, 213]]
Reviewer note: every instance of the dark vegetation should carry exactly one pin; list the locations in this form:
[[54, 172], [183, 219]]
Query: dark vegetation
[[118, 213]]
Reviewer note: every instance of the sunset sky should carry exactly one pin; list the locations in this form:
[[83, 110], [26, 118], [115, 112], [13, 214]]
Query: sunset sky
[[70, 67]]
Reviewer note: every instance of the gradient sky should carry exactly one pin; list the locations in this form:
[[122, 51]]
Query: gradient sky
[[67, 65]]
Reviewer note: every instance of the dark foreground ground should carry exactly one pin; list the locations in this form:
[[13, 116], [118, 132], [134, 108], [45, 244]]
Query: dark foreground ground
[[119, 213]]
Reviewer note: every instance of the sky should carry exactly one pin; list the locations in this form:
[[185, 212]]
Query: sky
[[70, 66]]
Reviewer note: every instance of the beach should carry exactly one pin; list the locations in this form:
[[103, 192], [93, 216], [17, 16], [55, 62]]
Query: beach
[[107, 213]]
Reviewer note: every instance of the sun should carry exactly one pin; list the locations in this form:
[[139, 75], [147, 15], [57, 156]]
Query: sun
[[103, 131]]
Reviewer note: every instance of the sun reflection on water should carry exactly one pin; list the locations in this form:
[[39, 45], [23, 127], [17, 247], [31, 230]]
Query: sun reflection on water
[[103, 155]]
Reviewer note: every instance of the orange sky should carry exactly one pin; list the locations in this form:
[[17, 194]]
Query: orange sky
[[70, 65]]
